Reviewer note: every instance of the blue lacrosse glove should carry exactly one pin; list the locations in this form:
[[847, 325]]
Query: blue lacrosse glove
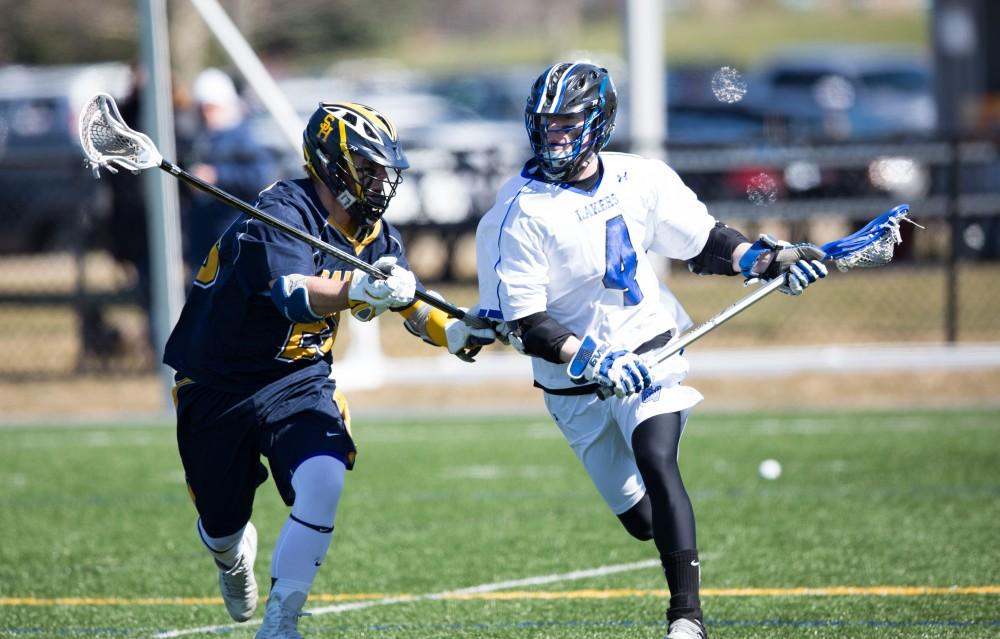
[[801, 274], [768, 258], [621, 370]]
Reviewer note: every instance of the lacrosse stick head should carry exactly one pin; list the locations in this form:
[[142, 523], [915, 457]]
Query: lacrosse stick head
[[872, 245], [108, 142]]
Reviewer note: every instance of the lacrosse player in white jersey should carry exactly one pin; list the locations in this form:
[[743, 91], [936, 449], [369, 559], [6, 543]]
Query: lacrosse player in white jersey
[[562, 262]]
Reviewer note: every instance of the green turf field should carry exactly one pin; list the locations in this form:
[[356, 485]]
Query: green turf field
[[881, 525]]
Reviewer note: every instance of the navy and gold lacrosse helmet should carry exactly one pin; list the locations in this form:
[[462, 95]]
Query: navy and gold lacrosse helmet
[[355, 151], [570, 88]]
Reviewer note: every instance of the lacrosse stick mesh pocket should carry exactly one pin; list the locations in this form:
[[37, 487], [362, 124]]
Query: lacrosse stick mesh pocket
[[106, 138], [871, 246], [878, 253]]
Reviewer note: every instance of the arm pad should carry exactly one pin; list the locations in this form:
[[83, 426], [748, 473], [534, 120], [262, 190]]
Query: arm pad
[[426, 322], [290, 295], [542, 336], [717, 256]]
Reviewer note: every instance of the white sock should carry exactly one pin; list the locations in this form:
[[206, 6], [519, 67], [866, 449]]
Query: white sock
[[224, 549], [285, 587], [306, 535], [298, 553]]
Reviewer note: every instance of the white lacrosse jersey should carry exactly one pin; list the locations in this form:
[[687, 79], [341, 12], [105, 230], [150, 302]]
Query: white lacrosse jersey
[[582, 256]]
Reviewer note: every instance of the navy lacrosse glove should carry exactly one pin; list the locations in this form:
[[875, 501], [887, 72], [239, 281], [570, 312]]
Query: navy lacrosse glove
[[768, 258], [621, 370]]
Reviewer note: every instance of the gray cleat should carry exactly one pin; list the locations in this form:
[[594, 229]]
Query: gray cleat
[[281, 617], [237, 584]]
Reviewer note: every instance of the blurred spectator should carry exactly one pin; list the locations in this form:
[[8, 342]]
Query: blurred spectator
[[226, 154], [127, 235], [128, 232]]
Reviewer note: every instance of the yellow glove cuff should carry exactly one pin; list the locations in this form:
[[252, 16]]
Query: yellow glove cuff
[[427, 322]]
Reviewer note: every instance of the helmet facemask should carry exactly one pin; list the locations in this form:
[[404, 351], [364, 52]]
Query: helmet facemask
[[365, 188], [570, 115], [563, 149]]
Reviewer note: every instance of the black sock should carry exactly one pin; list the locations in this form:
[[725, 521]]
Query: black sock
[[683, 572]]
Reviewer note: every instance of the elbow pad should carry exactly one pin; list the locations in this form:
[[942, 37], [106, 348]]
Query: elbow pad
[[542, 336], [716, 258], [291, 296]]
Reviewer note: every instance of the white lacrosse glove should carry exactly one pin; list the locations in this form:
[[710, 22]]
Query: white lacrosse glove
[[504, 331], [370, 296], [465, 341], [507, 336], [621, 370], [768, 258]]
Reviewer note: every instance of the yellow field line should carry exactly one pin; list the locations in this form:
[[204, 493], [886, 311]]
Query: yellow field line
[[835, 591], [831, 591], [165, 601], [852, 591]]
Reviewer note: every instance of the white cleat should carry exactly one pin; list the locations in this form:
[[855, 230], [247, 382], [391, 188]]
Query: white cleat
[[237, 584], [686, 629], [281, 617]]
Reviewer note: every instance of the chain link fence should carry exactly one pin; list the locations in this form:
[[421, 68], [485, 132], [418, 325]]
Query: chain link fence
[[72, 302]]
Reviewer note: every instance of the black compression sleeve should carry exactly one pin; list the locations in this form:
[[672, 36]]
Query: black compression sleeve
[[542, 336], [717, 256]]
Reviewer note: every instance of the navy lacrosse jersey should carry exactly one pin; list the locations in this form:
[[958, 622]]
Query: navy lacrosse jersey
[[230, 335]]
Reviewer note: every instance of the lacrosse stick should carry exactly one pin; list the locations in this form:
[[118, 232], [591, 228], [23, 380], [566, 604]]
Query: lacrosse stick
[[869, 247], [108, 142]]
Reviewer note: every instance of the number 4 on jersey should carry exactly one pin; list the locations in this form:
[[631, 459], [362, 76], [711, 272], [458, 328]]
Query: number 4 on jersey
[[620, 261]]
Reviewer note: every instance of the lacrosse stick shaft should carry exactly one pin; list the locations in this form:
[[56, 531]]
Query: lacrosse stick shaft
[[314, 242], [720, 318], [870, 246], [835, 251], [107, 140], [710, 325]]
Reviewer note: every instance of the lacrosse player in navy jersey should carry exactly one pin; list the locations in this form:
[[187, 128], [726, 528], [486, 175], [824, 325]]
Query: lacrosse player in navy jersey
[[252, 354], [562, 261]]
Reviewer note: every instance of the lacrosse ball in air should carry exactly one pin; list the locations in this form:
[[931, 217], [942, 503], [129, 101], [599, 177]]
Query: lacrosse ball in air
[[769, 469]]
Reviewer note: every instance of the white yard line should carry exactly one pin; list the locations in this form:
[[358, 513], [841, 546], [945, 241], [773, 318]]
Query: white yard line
[[550, 579], [385, 601]]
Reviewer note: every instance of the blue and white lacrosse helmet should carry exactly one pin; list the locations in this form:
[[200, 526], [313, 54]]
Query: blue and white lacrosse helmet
[[566, 89]]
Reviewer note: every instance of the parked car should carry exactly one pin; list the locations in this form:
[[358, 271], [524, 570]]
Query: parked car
[[847, 92], [492, 94], [43, 181], [715, 124]]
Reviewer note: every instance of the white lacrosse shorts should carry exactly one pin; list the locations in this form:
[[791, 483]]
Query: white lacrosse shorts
[[600, 431]]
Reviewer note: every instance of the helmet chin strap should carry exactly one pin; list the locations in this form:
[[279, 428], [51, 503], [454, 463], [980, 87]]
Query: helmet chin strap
[[346, 199], [363, 231], [351, 206], [582, 168]]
